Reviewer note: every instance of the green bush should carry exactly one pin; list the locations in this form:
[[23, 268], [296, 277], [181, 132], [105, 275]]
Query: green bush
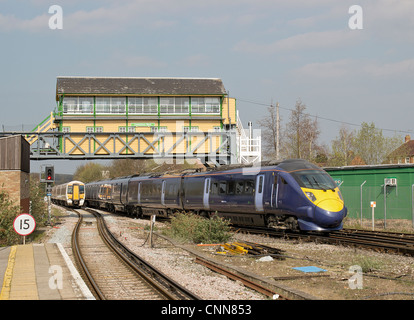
[[8, 212], [37, 204], [196, 229]]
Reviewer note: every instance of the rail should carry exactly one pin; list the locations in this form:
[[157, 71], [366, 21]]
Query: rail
[[165, 286], [380, 241], [142, 267]]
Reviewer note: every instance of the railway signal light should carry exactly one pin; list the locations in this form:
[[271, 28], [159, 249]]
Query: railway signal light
[[49, 174]]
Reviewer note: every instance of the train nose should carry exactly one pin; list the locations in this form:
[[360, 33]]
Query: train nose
[[330, 213], [331, 205]]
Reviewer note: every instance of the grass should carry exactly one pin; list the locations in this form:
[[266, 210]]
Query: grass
[[367, 264], [392, 225]]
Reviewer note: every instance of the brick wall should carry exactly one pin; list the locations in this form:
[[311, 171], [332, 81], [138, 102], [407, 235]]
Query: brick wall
[[17, 184], [15, 169]]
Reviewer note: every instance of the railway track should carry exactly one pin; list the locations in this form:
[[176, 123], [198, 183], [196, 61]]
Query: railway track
[[112, 270], [399, 243], [382, 241]]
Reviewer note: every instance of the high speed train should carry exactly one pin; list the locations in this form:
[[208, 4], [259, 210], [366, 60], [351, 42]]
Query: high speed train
[[292, 194], [71, 194]]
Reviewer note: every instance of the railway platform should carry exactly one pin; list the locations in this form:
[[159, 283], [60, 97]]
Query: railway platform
[[40, 272]]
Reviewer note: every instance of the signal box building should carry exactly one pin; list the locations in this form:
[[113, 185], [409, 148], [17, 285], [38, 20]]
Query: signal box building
[[142, 104], [150, 106]]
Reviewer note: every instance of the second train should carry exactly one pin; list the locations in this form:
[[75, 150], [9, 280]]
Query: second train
[[292, 194]]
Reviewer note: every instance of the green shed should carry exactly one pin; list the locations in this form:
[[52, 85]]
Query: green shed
[[391, 187]]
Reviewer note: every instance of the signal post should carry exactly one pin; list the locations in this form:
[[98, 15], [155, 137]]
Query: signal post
[[48, 176]]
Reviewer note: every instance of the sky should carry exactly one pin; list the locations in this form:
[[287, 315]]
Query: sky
[[346, 65]]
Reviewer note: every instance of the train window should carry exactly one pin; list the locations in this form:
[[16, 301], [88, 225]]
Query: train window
[[248, 187], [223, 187], [214, 188], [239, 187], [231, 187]]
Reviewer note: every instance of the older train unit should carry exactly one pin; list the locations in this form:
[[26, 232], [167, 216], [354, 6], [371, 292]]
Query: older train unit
[[70, 194], [293, 194]]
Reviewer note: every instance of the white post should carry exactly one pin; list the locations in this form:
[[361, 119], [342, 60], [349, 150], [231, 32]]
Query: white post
[[151, 228], [373, 208], [373, 205], [361, 199]]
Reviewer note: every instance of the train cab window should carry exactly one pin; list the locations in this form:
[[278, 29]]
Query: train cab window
[[239, 187], [223, 187]]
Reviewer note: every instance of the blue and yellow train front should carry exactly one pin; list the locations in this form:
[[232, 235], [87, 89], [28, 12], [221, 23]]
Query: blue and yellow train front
[[322, 208], [326, 212]]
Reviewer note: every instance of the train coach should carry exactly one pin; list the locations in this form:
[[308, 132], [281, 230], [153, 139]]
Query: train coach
[[292, 194], [71, 194]]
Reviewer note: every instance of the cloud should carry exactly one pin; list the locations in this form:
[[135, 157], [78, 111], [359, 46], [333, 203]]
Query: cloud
[[333, 69], [391, 20], [346, 69], [103, 18], [11, 22], [196, 60], [138, 61], [305, 41], [393, 69]]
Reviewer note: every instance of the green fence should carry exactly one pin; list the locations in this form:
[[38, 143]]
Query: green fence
[[391, 187]]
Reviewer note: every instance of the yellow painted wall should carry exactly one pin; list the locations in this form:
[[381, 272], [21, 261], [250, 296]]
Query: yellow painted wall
[[109, 124], [225, 110]]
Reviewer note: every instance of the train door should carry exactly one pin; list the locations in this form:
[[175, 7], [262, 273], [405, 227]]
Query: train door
[[124, 193], [139, 193], [281, 191], [258, 195], [273, 196], [75, 193], [206, 193], [163, 193]]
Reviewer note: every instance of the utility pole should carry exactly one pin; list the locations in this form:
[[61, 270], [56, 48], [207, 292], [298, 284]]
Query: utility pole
[[277, 131]]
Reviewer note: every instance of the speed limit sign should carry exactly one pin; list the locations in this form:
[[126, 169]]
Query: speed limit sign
[[24, 224]]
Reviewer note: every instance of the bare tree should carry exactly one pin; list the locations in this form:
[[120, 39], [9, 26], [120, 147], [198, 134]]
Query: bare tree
[[342, 148], [301, 134], [269, 134]]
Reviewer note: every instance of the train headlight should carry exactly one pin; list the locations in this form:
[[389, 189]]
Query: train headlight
[[310, 196]]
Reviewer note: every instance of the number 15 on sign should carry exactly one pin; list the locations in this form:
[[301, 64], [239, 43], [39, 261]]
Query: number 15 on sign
[[24, 225]]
